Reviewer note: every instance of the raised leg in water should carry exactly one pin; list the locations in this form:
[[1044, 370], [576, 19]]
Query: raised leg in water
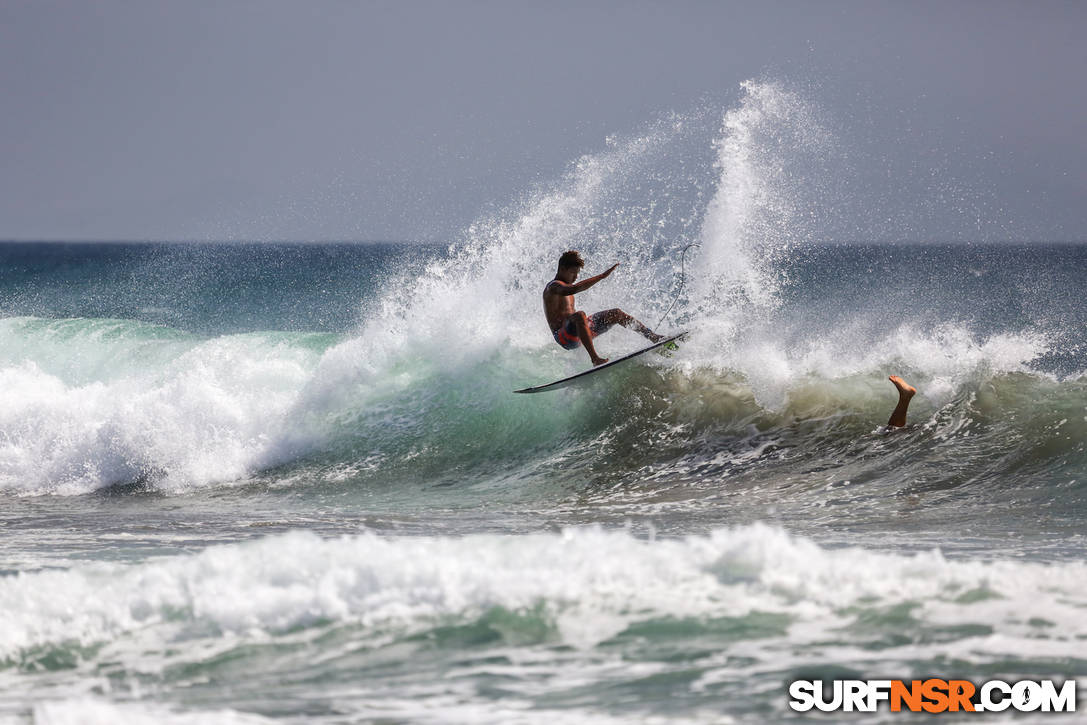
[[905, 394]]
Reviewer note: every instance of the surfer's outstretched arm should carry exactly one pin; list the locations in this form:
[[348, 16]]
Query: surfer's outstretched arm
[[905, 395], [563, 289]]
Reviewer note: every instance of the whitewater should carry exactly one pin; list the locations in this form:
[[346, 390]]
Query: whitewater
[[290, 482]]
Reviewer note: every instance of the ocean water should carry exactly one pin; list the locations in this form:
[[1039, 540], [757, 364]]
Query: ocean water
[[290, 482]]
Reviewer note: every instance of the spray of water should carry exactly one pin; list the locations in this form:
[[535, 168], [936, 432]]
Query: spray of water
[[431, 365]]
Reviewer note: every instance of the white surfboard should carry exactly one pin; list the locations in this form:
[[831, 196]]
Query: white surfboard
[[585, 373]]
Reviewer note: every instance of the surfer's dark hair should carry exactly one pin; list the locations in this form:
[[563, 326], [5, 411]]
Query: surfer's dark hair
[[571, 259]]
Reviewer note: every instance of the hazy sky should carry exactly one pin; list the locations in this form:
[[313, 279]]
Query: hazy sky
[[269, 119]]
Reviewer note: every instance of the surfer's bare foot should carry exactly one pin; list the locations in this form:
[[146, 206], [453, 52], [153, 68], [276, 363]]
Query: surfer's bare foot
[[654, 337], [905, 393], [599, 361], [904, 388]]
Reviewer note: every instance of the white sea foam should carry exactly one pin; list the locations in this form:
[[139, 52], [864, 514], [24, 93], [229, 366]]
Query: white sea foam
[[938, 360], [96, 711], [207, 412], [590, 583]]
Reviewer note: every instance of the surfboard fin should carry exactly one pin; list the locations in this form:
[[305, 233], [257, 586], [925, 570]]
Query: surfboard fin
[[668, 350]]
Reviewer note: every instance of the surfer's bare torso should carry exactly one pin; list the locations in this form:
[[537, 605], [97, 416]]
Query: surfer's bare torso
[[572, 328], [558, 300]]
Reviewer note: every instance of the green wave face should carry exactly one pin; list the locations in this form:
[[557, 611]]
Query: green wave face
[[107, 402]]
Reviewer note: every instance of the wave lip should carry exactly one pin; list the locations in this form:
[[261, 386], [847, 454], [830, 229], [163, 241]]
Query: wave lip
[[180, 412]]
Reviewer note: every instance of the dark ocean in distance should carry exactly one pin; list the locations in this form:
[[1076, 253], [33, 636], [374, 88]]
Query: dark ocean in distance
[[291, 483]]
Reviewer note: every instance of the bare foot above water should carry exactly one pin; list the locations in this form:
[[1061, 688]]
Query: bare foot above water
[[904, 388]]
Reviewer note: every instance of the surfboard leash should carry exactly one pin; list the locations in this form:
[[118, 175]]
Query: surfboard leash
[[682, 280]]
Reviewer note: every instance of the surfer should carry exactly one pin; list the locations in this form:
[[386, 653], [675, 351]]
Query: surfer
[[905, 395], [571, 327]]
